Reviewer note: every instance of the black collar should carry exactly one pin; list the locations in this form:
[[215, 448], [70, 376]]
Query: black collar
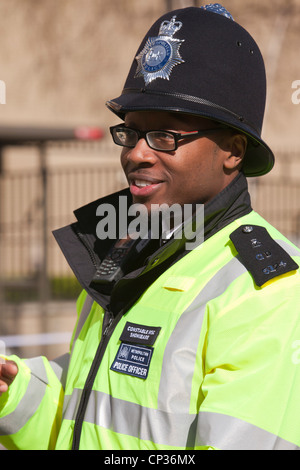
[[230, 204]]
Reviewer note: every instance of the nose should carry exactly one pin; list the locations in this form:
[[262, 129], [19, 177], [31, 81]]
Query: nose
[[141, 153]]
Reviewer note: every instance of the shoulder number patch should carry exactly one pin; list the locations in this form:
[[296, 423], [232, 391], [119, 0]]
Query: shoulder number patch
[[261, 254]]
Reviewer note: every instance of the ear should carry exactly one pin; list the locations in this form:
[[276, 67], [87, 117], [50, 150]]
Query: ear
[[236, 145]]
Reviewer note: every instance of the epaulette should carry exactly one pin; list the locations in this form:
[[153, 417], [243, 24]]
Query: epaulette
[[261, 254]]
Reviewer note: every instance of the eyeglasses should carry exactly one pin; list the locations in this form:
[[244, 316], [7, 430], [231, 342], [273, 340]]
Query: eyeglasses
[[165, 141]]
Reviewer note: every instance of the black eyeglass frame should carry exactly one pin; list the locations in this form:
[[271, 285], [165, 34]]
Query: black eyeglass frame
[[176, 135]]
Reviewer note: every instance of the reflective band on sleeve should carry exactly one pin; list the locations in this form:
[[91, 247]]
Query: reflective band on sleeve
[[30, 402], [37, 368], [229, 433]]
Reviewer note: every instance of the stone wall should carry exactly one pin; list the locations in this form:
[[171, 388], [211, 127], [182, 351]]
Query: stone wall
[[62, 59]]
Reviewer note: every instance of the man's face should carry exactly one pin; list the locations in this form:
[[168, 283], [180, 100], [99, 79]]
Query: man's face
[[194, 173]]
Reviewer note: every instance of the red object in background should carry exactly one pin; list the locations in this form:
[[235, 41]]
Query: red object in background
[[88, 133]]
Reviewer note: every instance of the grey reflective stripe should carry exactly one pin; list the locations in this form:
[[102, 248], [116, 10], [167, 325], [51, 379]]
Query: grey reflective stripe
[[128, 418], [177, 371], [174, 429], [60, 368], [85, 311], [290, 249], [228, 433], [71, 403], [37, 368], [31, 400]]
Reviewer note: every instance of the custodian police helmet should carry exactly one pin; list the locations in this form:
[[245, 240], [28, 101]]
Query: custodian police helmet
[[195, 61]]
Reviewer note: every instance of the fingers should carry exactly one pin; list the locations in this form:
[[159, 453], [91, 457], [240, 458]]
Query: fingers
[[8, 372]]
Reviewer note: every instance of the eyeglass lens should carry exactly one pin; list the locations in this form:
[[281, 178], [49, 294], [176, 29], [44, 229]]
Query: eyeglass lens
[[161, 140], [156, 139], [126, 137]]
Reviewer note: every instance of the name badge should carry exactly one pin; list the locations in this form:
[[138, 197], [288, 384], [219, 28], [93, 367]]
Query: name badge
[[140, 334]]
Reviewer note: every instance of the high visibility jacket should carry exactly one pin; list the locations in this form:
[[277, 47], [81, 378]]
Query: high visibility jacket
[[205, 359]]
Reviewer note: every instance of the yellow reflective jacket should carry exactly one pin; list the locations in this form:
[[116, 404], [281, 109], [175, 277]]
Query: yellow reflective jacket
[[204, 359]]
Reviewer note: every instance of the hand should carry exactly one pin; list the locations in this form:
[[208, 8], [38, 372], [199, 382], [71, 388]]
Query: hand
[[8, 372]]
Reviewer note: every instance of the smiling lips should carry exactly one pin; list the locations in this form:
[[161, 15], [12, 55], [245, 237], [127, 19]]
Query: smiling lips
[[143, 187], [141, 183]]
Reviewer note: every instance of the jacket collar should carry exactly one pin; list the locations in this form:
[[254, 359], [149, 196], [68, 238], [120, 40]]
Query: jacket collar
[[230, 204]]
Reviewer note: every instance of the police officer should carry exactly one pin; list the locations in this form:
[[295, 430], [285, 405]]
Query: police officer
[[181, 349]]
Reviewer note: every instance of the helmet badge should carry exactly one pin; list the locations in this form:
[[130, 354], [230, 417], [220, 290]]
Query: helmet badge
[[160, 54]]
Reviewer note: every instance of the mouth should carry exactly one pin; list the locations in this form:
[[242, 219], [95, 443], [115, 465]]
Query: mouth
[[143, 186]]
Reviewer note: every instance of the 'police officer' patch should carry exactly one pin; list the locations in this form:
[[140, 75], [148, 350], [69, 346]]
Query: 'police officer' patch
[[133, 360]]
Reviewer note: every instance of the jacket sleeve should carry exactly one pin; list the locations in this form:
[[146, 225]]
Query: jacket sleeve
[[31, 410], [251, 358]]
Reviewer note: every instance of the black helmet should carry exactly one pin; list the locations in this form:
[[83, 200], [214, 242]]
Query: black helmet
[[195, 61]]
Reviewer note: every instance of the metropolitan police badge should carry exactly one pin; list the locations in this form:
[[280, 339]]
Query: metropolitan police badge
[[160, 54]]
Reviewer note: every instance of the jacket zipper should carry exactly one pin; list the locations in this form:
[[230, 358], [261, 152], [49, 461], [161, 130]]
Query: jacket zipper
[[113, 321], [106, 334]]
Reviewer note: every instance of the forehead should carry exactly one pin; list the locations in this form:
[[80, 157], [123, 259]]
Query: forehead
[[166, 120]]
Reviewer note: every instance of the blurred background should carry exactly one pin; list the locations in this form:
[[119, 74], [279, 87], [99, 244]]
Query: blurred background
[[60, 61]]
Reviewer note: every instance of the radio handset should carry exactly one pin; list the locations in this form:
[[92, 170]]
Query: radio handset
[[120, 258]]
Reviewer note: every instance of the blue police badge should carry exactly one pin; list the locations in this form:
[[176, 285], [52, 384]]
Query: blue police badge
[[160, 54]]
